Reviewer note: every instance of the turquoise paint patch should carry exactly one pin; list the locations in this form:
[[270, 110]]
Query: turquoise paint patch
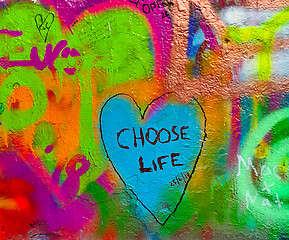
[[131, 141]]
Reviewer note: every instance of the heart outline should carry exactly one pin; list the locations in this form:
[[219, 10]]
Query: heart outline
[[142, 118], [44, 22]]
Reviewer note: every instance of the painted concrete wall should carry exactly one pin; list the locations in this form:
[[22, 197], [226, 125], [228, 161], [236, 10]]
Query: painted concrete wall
[[144, 119]]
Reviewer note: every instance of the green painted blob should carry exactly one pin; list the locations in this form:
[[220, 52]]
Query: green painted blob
[[104, 204], [21, 17], [263, 36], [280, 131], [87, 143], [181, 217], [278, 151], [14, 119], [265, 125], [127, 216], [116, 41]]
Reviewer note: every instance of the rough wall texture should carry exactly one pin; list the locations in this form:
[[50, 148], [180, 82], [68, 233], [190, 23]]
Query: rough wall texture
[[144, 119]]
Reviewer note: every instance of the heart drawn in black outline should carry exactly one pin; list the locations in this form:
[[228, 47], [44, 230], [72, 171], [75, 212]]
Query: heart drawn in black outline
[[142, 117]]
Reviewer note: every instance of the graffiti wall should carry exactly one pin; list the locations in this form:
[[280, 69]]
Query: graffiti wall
[[144, 119]]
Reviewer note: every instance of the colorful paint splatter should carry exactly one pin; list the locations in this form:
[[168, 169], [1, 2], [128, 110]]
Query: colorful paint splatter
[[144, 119]]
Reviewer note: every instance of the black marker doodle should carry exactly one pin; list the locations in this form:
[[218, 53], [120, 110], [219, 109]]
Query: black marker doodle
[[43, 26], [148, 8]]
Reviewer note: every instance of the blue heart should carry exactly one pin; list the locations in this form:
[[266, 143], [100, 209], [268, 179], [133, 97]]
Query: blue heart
[[155, 152]]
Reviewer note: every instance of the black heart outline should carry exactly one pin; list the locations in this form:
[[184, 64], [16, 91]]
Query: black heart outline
[[142, 118], [42, 22]]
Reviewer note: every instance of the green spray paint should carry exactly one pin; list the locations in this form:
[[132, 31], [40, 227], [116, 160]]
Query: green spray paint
[[14, 119], [263, 36], [116, 41], [104, 204], [21, 17], [247, 190]]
